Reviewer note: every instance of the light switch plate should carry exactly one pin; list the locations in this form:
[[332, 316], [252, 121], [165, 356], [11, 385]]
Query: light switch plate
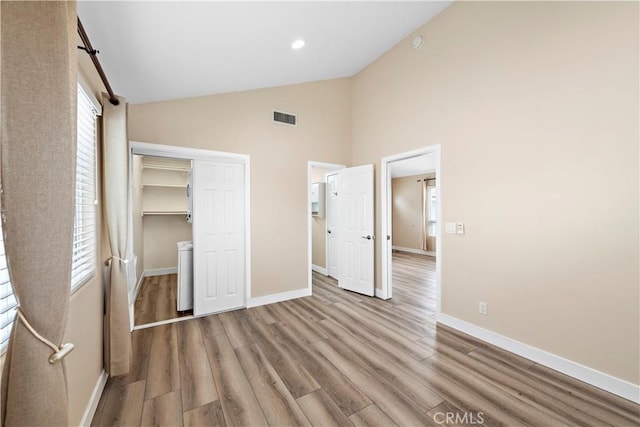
[[460, 228], [450, 228]]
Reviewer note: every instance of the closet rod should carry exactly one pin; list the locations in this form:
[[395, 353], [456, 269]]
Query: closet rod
[[92, 53]]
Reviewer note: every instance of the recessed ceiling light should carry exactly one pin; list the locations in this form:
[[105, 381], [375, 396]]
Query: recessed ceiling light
[[298, 44]]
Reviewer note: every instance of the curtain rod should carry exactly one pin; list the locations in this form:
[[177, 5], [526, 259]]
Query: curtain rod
[[92, 53]]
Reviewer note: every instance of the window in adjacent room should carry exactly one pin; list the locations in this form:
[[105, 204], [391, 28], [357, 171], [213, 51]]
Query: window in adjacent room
[[433, 205]]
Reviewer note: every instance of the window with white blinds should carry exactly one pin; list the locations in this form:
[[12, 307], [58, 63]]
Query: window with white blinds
[[8, 301], [83, 264]]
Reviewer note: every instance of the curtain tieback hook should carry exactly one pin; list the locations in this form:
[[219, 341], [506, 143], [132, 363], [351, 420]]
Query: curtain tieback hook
[[59, 353]]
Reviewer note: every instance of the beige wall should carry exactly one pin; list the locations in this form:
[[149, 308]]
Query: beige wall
[[84, 330], [319, 225], [242, 123], [406, 214], [161, 235], [535, 105], [84, 322]]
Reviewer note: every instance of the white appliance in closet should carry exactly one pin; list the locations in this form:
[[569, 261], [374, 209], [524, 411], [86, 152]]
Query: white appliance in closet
[[185, 276]]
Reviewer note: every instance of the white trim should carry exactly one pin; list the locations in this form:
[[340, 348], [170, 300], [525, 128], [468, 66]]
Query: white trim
[[413, 251], [310, 165], [132, 302], [133, 294], [90, 410], [160, 272], [159, 150], [386, 291], [138, 286], [320, 270], [129, 253], [132, 320], [379, 294], [282, 296], [568, 367], [326, 207], [168, 321], [247, 229]]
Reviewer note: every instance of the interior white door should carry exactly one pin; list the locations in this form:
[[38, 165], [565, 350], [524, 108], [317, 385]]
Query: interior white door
[[356, 229], [332, 225], [218, 236]]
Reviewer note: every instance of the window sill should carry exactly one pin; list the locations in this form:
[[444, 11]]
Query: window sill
[[80, 285]]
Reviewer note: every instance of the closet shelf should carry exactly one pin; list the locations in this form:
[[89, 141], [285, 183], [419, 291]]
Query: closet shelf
[[164, 213], [166, 167], [165, 185]]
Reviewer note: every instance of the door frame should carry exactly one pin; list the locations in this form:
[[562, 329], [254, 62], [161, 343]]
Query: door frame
[[326, 207], [386, 208], [310, 165], [159, 150]]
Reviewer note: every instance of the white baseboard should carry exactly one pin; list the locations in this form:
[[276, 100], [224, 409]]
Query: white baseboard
[[90, 411], [413, 251], [320, 270], [583, 373], [160, 271], [282, 296]]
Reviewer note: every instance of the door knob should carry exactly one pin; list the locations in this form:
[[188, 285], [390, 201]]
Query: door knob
[[329, 231], [368, 237]]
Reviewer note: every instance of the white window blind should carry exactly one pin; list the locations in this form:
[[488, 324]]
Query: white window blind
[[8, 301], [83, 264]]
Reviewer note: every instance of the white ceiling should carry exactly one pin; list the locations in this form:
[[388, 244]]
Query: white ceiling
[[158, 50], [419, 165]]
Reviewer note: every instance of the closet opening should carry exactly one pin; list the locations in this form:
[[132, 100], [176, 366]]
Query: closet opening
[[162, 238], [189, 233]]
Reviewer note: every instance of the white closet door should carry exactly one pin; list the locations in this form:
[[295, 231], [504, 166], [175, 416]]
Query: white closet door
[[218, 236]]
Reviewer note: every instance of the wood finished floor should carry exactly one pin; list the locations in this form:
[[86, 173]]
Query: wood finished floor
[[156, 300], [341, 359]]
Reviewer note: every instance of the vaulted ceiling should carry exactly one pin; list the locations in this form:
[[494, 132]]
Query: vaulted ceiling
[[158, 50]]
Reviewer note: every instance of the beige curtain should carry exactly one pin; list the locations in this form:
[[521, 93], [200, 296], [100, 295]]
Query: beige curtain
[[38, 143], [117, 338]]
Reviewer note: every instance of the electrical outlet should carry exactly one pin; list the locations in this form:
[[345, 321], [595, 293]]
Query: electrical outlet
[[482, 307]]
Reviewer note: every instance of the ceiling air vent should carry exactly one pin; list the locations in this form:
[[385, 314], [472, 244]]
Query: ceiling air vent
[[284, 118]]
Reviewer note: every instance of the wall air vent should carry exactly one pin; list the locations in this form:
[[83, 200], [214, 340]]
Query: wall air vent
[[284, 118]]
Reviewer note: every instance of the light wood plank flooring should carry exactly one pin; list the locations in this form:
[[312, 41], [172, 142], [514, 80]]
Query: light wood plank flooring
[[156, 300], [339, 359]]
